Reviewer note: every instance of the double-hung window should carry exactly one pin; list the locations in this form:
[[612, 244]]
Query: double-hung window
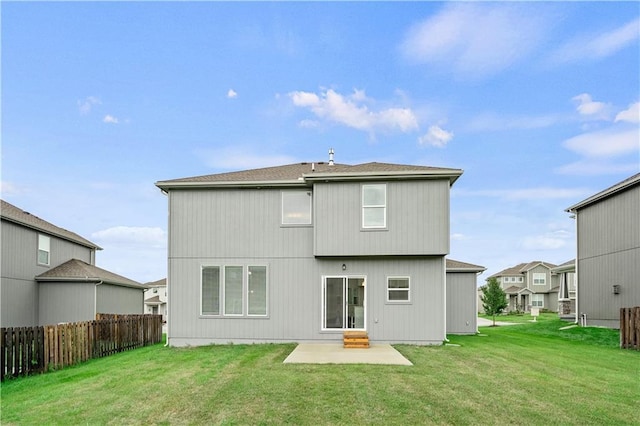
[[296, 207], [398, 289], [539, 278], [537, 300], [374, 206], [44, 250], [234, 291]]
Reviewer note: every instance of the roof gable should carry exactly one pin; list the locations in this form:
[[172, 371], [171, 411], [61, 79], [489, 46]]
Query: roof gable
[[77, 270], [16, 215]]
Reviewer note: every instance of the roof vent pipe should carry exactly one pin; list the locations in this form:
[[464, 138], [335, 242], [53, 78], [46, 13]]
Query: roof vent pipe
[[331, 156]]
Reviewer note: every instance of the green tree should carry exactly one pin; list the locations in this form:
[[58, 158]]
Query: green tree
[[494, 299]]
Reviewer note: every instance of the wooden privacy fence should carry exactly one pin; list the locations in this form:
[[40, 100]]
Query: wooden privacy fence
[[28, 350], [630, 328]]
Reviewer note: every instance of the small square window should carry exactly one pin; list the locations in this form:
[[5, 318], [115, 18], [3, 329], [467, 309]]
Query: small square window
[[296, 207], [398, 289]]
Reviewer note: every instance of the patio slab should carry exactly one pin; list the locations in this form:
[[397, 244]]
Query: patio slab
[[334, 353]]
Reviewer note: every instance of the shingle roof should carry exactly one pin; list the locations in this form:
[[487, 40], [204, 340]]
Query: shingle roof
[[14, 214], [155, 300], [303, 173], [457, 266], [620, 186], [77, 270], [514, 289], [521, 268], [160, 283]]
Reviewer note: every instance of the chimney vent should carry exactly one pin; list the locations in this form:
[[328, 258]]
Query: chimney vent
[[331, 156]]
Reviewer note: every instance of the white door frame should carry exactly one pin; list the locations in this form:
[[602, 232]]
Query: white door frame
[[345, 293]]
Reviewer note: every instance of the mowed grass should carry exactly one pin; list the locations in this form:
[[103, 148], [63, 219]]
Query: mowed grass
[[531, 373]]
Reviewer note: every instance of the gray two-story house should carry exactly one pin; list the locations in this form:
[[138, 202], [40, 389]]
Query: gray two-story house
[[304, 252], [49, 275], [608, 253], [531, 284]]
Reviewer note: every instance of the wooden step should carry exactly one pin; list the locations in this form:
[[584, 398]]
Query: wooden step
[[355, 339]]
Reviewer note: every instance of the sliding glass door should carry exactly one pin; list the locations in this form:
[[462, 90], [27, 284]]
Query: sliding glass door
[[343, 303]]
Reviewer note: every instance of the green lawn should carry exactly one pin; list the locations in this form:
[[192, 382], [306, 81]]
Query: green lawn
[[531, 373]]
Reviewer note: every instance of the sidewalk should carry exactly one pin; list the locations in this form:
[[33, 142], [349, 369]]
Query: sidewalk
[[484, 322]]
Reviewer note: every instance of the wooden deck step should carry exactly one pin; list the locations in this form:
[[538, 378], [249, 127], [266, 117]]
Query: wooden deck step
[[355, 339]]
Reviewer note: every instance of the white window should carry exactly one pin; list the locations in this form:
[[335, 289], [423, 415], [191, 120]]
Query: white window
[[257, 290], [296, 207], [398, 289], [539, 278], [44, 245], [226, 290], [211, 290], [374, 206], [233, 290], [519, 279], [537, 300]]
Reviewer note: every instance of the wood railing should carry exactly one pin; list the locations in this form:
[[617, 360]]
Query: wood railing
[[29, 350]]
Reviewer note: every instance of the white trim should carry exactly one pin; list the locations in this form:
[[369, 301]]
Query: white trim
[[282, 217], [44, 245], [345, 279], [408, 289], [373, 206]]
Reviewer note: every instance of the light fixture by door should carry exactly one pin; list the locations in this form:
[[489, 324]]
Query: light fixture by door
[[344, 266]]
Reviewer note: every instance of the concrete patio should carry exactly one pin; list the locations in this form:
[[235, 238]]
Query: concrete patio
[[334, 353]]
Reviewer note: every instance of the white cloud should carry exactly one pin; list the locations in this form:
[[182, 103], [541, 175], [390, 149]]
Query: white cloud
[[436, 136], [631, 115], [110, 119], [85, 105], [458, 237], [351, 111], [128, 236], [597, 167], [605, 143], [231, 94], [475, 39], [241, 158], [598, 45], [9, 189], [586, 106]]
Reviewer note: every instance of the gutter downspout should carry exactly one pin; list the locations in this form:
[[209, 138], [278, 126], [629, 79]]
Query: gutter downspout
[[444, 287], [95, 299], [577, 277]]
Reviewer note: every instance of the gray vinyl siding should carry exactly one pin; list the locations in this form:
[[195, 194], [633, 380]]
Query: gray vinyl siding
[[462, 295], [417, 220], [66, 302], [19, 265], [112, 299], [608, 254], [295, 302], [540, 269], [19, 302], [233, 223]]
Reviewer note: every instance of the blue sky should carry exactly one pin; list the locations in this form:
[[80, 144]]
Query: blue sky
[[538, 103]]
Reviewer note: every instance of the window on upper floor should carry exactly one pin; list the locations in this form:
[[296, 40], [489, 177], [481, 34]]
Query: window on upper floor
[[539, 278], [398, 289], [296, 207], [519, 279], [374, 206], [44, 250]]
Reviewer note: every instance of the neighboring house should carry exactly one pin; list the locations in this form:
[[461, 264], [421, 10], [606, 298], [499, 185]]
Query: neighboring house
[[461, 297], [305, 251], [529, 285], [566, 273], [49, 275], [608, 252], [155, 298]]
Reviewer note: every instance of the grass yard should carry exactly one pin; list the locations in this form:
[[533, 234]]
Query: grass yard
[[532, 373]]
